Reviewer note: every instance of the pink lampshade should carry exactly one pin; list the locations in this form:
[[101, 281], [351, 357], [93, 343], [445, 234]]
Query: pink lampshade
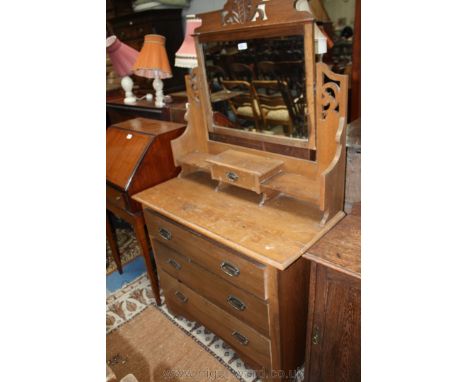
[[121, 55], [186, 56]]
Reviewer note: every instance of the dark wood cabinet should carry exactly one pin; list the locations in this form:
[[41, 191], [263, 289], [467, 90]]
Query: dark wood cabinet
[[334, 322]]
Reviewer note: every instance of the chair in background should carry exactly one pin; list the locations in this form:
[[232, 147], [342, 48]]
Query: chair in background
[[241, 72], [266, 71], [215, 74], [243, 104], [272, 105]]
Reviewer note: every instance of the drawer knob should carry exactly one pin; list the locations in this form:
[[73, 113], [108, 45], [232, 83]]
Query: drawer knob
[[232, 176], [117, 198], [174, 263], [230, 269], [239, 337], [236, 303], [181, 297], [165, 234]]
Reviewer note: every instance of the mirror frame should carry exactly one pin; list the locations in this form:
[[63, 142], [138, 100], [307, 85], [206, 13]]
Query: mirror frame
[[213, 30]]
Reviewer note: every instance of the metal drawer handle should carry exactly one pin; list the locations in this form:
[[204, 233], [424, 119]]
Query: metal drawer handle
[[232, 176], [230, 269], [174, 263], [165, 234], [181, 297], [236, 303], [239, 337]]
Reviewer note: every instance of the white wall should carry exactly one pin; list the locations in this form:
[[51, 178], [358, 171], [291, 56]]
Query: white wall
[[201, 6], [337, 9]]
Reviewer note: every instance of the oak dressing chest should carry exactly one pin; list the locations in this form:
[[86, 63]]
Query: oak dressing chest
[[229, 232]]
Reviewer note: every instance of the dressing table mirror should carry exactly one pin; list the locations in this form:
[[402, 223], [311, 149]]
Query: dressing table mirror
[[253, 195]]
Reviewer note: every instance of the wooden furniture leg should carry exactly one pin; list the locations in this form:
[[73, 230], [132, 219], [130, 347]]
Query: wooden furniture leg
[[111, 237], [139, 227]]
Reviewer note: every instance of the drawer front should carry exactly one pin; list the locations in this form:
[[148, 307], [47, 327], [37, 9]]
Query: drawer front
[[218, 260], [182, 300], [236, 177], [235, 301], [116, 197]]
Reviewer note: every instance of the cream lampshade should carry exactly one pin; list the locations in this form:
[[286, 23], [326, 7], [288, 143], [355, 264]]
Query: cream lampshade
[[152, 62]]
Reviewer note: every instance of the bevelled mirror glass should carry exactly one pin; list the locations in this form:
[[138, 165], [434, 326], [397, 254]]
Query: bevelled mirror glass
[[258, 85]]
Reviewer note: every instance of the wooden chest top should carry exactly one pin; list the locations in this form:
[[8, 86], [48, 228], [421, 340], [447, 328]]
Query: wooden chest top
[[276, 234], [340, 248]]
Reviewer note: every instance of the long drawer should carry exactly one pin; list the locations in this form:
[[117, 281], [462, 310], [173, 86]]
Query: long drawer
[[219, 260], [182, 300], [235, 301]]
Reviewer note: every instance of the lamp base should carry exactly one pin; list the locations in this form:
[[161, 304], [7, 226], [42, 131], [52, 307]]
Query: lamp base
[[130, 100], [127, 85], [158, 87]]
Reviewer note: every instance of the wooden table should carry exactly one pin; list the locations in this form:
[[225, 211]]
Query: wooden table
[[333, 351], [118, 111], [138, 156]]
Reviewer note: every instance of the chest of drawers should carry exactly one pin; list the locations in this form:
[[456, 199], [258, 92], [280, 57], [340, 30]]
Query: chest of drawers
[[233, 269], [236, 297]]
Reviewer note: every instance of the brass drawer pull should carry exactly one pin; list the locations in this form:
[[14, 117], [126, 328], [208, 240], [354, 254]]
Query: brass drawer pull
[[236, 303], [165, 234], [181, 297], [232, 176], [239, 337], [230, 269], [174, 263]]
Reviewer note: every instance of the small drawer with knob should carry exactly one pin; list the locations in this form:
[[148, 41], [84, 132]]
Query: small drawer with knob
[[221, 261], [242, 169], [234, 300], [181, 299], [116, 197]]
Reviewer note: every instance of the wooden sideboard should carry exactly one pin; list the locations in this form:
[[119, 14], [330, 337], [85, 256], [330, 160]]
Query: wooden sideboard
[[138, 156], [333, 350]]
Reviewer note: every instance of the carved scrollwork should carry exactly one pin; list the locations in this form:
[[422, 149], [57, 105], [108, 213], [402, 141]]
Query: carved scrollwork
[[242, 11], [328, 98], [194, 85], [329, 92]]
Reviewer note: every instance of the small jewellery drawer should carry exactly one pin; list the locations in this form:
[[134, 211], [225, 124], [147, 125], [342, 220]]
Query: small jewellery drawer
[[242, 169], [238, 178], [218, 260], [181, 299], [235, 301], [115, 197]]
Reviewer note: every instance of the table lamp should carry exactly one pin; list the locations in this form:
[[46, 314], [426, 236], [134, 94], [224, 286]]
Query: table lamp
[[186, 56], [122, 57], [152, 62]]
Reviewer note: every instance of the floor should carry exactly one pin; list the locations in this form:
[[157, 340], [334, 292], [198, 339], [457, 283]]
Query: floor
[[131, 271]]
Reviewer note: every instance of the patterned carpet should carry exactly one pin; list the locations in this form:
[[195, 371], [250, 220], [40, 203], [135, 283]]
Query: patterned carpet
[[133, 299], [128, 247]]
